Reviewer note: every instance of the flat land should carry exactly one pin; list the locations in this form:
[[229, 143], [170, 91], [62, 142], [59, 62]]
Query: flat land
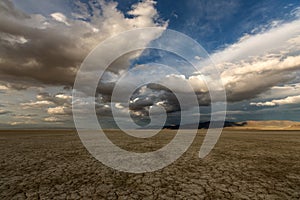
[[243, 165]]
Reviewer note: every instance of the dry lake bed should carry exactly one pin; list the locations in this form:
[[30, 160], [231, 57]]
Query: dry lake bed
[[243, 165]]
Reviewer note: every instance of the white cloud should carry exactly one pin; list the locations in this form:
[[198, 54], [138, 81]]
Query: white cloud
[[63, 96], [256, 63], [198, 83], [3, 112], [14, 40], [23, 122], [119, 106], [3, 87], [24, 117], [285, 101], [60, 110], [60, 18], [279, 92], [186, 85], [274, 40], [52, 119], [198, 57], [144, 12], [36, 104]]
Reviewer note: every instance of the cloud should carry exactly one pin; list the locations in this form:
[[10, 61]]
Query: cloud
[[36, 104], [245, 72], [249, 68], [50, 49], [281, 91], [11, 83], [53, 119], [276, 102], [53, 104], [41, 50], [60, 18], [257, 63], [253, 66], [3, 87], [24, 117], [144, 12], [28, 122], [153, 95], [63, 96], [59, 110], [57, 106], [186, 85], [262, 43], [4, 112]]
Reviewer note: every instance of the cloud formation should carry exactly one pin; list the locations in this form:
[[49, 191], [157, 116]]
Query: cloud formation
[[53, 119], [59, 110], [45, 50], [49, 49], [256, 63], [276, 102], [4, 112], [252, 66]]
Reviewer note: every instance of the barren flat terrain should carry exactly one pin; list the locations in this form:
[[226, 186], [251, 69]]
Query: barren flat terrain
[[243, 165]]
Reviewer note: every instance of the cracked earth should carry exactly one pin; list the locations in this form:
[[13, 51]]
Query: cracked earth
[[243, 165]]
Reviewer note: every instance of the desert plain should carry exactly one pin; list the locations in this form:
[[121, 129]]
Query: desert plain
[[245, 164]]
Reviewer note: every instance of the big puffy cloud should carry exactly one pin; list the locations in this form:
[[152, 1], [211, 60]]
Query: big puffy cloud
[[50, 49], [284, 101], [256, 63]]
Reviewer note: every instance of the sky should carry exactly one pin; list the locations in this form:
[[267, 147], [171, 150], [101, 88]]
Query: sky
[[255, 45]]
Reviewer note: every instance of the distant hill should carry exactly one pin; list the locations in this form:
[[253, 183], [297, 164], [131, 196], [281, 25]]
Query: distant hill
[[246, 125], [270, 125], [205, 125]]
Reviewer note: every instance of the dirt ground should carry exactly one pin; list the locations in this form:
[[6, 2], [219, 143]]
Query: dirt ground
[[243, 165]]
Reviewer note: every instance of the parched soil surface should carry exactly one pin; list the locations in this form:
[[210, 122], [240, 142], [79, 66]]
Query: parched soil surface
[[243, 165]]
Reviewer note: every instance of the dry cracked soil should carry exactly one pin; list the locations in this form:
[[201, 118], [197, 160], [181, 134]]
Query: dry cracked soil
[[243, 165]]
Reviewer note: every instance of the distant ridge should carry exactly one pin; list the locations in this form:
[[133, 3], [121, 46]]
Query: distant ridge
[[245, 125], [205, 125], [271, 125]]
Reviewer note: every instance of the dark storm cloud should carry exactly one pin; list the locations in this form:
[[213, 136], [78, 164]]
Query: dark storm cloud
[[154, 94]]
